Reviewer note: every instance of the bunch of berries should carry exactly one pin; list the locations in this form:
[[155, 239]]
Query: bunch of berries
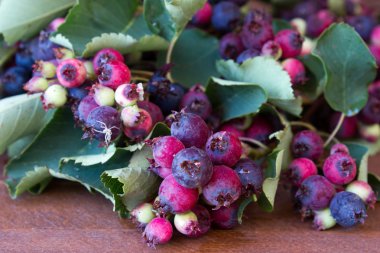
[[203, 178], [336, 197]]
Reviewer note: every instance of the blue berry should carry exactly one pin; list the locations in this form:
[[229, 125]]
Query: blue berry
[[225, 16], [44, 49], [256, 33], [363, 25], [79, 93], [14, 79], [192, 168], [24, 58], [247, 54], [230, 46], [251, 176], [348, 209]]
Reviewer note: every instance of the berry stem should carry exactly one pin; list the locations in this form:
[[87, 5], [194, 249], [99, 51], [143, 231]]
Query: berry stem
[[143, 73], [303, 124], [332, 135], [169, 56], [255, 142]]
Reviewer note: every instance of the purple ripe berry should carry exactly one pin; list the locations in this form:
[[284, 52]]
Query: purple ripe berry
[[142, 215], [339, 168], [86, 105], [158, 231], [255, 33], [71, 73], [300, 169], [230, 46], [306, 8], [247, 54], [364, 191], [230, 127], [272, 49], [224, 187], [196, 101], [339, 148], [192, 168], [348, 209], [106, 55], [296, 71], [260, 129], [225, 217], [290, 42], [318, 22], [154, 111], [225, 16], [113, 74], [187, 223], [129, 94], [190, 129], [349, 128], [174, 198], [224, 148], [363, 25], [251, 176], [141, 128], [307, 144], [315, 193], [323, 219], [370, 114], [203, 16], [104, 124], [164, 149], [375, 36], [204, 221]]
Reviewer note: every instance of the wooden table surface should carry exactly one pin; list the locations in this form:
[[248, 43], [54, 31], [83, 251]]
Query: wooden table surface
[[67, 218]]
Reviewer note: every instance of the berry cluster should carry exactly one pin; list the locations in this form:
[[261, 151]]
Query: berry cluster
[[334, 197], [19, 68], [203, 178]]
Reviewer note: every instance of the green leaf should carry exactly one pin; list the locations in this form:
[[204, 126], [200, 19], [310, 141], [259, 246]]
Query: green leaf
[[360, 155], [279, 25], [23, 19], [132, 185], [92, 18], [270, 184], [317, 77], [263, 71], [193, 64], [374, 181], [350, 68], [292, 106], [57, 139], [285, 138], [168, 18], [20, 116], [233, 100], [242, 208]]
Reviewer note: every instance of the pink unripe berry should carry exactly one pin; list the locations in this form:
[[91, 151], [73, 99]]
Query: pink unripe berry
[[106, 55], [158, 231], [296, 71], [364, 191], [142, 214], [375, 36], [339, 148], [130, 116], [339, 168], [300, 169], [113, 74], [164, 149], [153, 110], [231, 128], [103, 95], [45, 68], [186, 223], [129, 94], [53, 26], [224, 187], [142, 127], [203, 16], [71, 73], [174, 198], [36, 84], [323, 219], [272, 49], [55, 96], [290, 42]]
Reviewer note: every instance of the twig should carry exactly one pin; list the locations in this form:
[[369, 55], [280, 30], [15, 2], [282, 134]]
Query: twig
[[255, 142], [332, 135], [303, 124]]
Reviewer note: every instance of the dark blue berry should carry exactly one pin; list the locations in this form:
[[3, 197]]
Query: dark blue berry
[[23, 57], [14, 79], [251, 176], [225, 16], [44, 50], [363, 25], [230, 46], [348, 209], [247, 54]]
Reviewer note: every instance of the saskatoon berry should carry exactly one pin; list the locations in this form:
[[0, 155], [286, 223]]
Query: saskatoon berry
[[106, 55], [154, 111], [158, 231], [225, 217], [164, 150], [307, 144], [113, 74], [300, 169], [290, 42], [230, 46], [196, 101], [251, 176], [339, 168], [225, 16], [71, 73]]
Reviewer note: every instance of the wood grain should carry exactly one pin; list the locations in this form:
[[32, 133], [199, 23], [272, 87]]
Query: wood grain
[[66, 218]]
